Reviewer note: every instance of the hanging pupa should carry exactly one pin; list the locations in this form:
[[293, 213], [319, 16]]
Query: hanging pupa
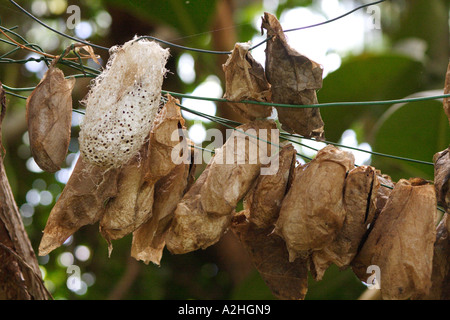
[[294, 79], [254, 225], [313, 212], [442, 178], [401, 242], [82, 202], [149, 239], [440, 277], [204, 214], [49, 119], [136, 183], [245, 80], [360, 189]]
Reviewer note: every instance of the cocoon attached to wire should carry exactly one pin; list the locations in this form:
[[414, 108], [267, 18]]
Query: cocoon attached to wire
[[122, 103]]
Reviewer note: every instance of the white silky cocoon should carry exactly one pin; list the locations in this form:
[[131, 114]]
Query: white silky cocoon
[[122, 103]]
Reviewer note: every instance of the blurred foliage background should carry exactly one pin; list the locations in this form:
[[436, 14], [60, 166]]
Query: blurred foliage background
[[405, 55]]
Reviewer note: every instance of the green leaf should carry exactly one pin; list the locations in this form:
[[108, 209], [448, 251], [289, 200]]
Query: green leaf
[[335, 285], [414, 130], [252, 288], [366, 78]]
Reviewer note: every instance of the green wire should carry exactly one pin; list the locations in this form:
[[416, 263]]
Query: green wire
[[319, 105], [361, 150]]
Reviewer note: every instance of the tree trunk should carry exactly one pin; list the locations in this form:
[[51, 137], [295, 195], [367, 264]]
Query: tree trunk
[[20, 277]]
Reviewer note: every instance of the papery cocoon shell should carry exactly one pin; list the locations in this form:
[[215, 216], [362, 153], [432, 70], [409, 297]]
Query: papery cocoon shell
[[245, 80], [122, 103], [133, 205], [442, 178], [49, 118], [149, 239], [440, 277], [166, 135], [313, 212], [192, 228], [204, 214], [383, 193], [401, 242], [254, 225], [294, 79], [360, 189], [263, 201], [286, 280], [235, 166], [82, 202]]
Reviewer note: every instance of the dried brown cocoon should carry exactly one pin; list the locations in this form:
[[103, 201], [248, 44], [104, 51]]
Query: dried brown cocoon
[[133, 205], [82, 202], [149, 239], [192, 228], [294, 79], [245, 80], [204, 214], [263, 201], [235, 166], [287, 280], [360, 189], [401, 242], [440, 277], [313, 212], [254, 225], [166, 133], [386, 186], [442, 178], [49, 118]]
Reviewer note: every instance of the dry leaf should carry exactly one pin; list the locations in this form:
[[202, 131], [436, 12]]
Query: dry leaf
[[313, 212], [82, 202], [245, 80], [447, 91], [442, 178], [440, 278], [360, 189], [149, 239], [294, 79], [401, 242], [286, 280], [204, 214], [49, 117], [90, 52]]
